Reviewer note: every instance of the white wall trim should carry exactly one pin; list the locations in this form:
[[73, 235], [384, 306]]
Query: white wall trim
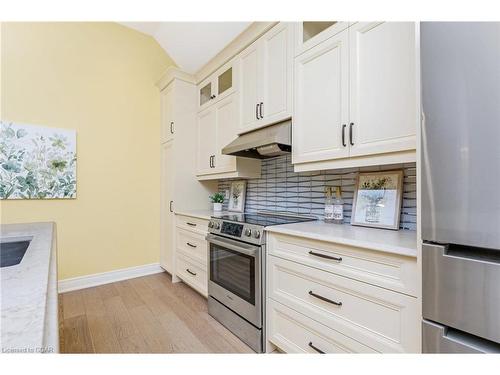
[[96, 279]]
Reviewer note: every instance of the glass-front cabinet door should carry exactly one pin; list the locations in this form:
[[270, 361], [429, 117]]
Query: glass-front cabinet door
[[311, 33], [218, 85], [225, 80], [205, 93]]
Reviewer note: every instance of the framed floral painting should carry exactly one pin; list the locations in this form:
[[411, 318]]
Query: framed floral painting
[[37, 162], [237, 196], [377, 199]]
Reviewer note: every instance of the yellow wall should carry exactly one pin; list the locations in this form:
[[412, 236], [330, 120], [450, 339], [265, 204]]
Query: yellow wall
[[97, 78]]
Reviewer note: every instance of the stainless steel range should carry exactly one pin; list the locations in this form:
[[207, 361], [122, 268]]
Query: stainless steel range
[[236, 272]]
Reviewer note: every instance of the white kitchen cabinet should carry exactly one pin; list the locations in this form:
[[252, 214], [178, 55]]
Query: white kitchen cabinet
[[355, 98], [266, 79], [311, 33], [249, 87], [179, 188], [340, 297], [217, 86], [216, 129], [167, 201], [167, 121], [206, 144], [191, 251], [382, 87], [321, 108]]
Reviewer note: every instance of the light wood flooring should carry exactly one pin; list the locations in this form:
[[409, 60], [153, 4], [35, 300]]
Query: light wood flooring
[[143, 315]]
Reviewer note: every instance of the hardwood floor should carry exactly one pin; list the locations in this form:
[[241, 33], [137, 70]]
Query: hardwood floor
[[143, 315]]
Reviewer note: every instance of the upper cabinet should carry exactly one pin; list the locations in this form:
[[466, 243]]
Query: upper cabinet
[[355, 98], [217, 127], [321, 109], [217, 86], [266, 79], [310, 33], [383, 91]]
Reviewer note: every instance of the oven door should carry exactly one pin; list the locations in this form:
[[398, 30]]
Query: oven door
[[234, 276]]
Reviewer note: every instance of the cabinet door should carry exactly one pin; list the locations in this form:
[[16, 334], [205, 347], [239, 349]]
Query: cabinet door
[[167, 216], [206, 142], [321, 101], [225, 81], [276, 57], [206, 91], [227, 120], [311, 33], [167, 122], [249, 81], [383, 95]]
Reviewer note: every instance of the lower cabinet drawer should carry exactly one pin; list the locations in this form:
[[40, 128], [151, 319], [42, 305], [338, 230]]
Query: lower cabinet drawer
[[192, 223], [293, 332], [384, 320], [192, 244], [192, 273], [390, 271]]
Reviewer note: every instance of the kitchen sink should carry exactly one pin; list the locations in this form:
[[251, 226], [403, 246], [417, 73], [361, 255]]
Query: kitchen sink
[[11, 253]]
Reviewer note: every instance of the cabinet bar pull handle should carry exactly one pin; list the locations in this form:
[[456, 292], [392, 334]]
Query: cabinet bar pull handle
[[191, 224], [190, 244], [257, 111], [171, 127], [213, 161], [350, 133], [315, 348], [343, 135], [260, 110], [190, 272], [339, 259], [311, 293], [171, 202]]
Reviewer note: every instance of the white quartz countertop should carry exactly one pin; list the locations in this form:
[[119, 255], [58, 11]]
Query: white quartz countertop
[[27, 289], [201, 214], [401, 242]]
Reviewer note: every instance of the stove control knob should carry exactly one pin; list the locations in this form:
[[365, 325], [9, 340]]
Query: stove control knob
[[256, 234], [248, 232], [216, 225], [210, 224]]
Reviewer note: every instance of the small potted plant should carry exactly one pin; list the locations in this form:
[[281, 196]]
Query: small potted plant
[[217, 200]]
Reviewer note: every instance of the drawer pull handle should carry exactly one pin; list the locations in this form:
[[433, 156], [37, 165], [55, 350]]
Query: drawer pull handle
[[338, 259], [190, 244], [311, 345], [191, 224], [311, 293], [190, 272]]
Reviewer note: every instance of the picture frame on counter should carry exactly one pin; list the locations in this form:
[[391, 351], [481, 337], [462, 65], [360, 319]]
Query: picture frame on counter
[[237, 196], [377, 199]]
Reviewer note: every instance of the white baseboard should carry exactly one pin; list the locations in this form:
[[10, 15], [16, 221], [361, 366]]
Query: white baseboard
[[96, 279]]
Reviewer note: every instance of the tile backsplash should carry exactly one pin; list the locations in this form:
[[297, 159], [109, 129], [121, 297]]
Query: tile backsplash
[[282, 189]]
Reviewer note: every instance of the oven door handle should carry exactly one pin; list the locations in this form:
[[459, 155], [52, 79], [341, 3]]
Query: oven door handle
[[233, 245]]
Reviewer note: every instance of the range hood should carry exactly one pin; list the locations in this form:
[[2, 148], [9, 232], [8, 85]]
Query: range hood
[[268, 142]]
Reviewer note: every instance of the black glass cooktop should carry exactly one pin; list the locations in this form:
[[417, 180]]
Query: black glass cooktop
[[262, 219]]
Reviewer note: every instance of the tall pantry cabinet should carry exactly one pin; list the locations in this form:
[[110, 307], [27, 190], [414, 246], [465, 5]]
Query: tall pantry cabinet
[[180, 190]]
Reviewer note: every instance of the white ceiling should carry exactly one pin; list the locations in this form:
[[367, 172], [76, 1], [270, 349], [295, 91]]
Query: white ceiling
[[191, 44]]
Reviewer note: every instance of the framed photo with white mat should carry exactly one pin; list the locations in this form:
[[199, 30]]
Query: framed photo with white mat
[[377, 199], [237, 196]]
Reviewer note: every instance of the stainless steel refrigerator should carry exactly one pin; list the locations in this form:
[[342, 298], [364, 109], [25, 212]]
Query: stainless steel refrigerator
[[460, 64]]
